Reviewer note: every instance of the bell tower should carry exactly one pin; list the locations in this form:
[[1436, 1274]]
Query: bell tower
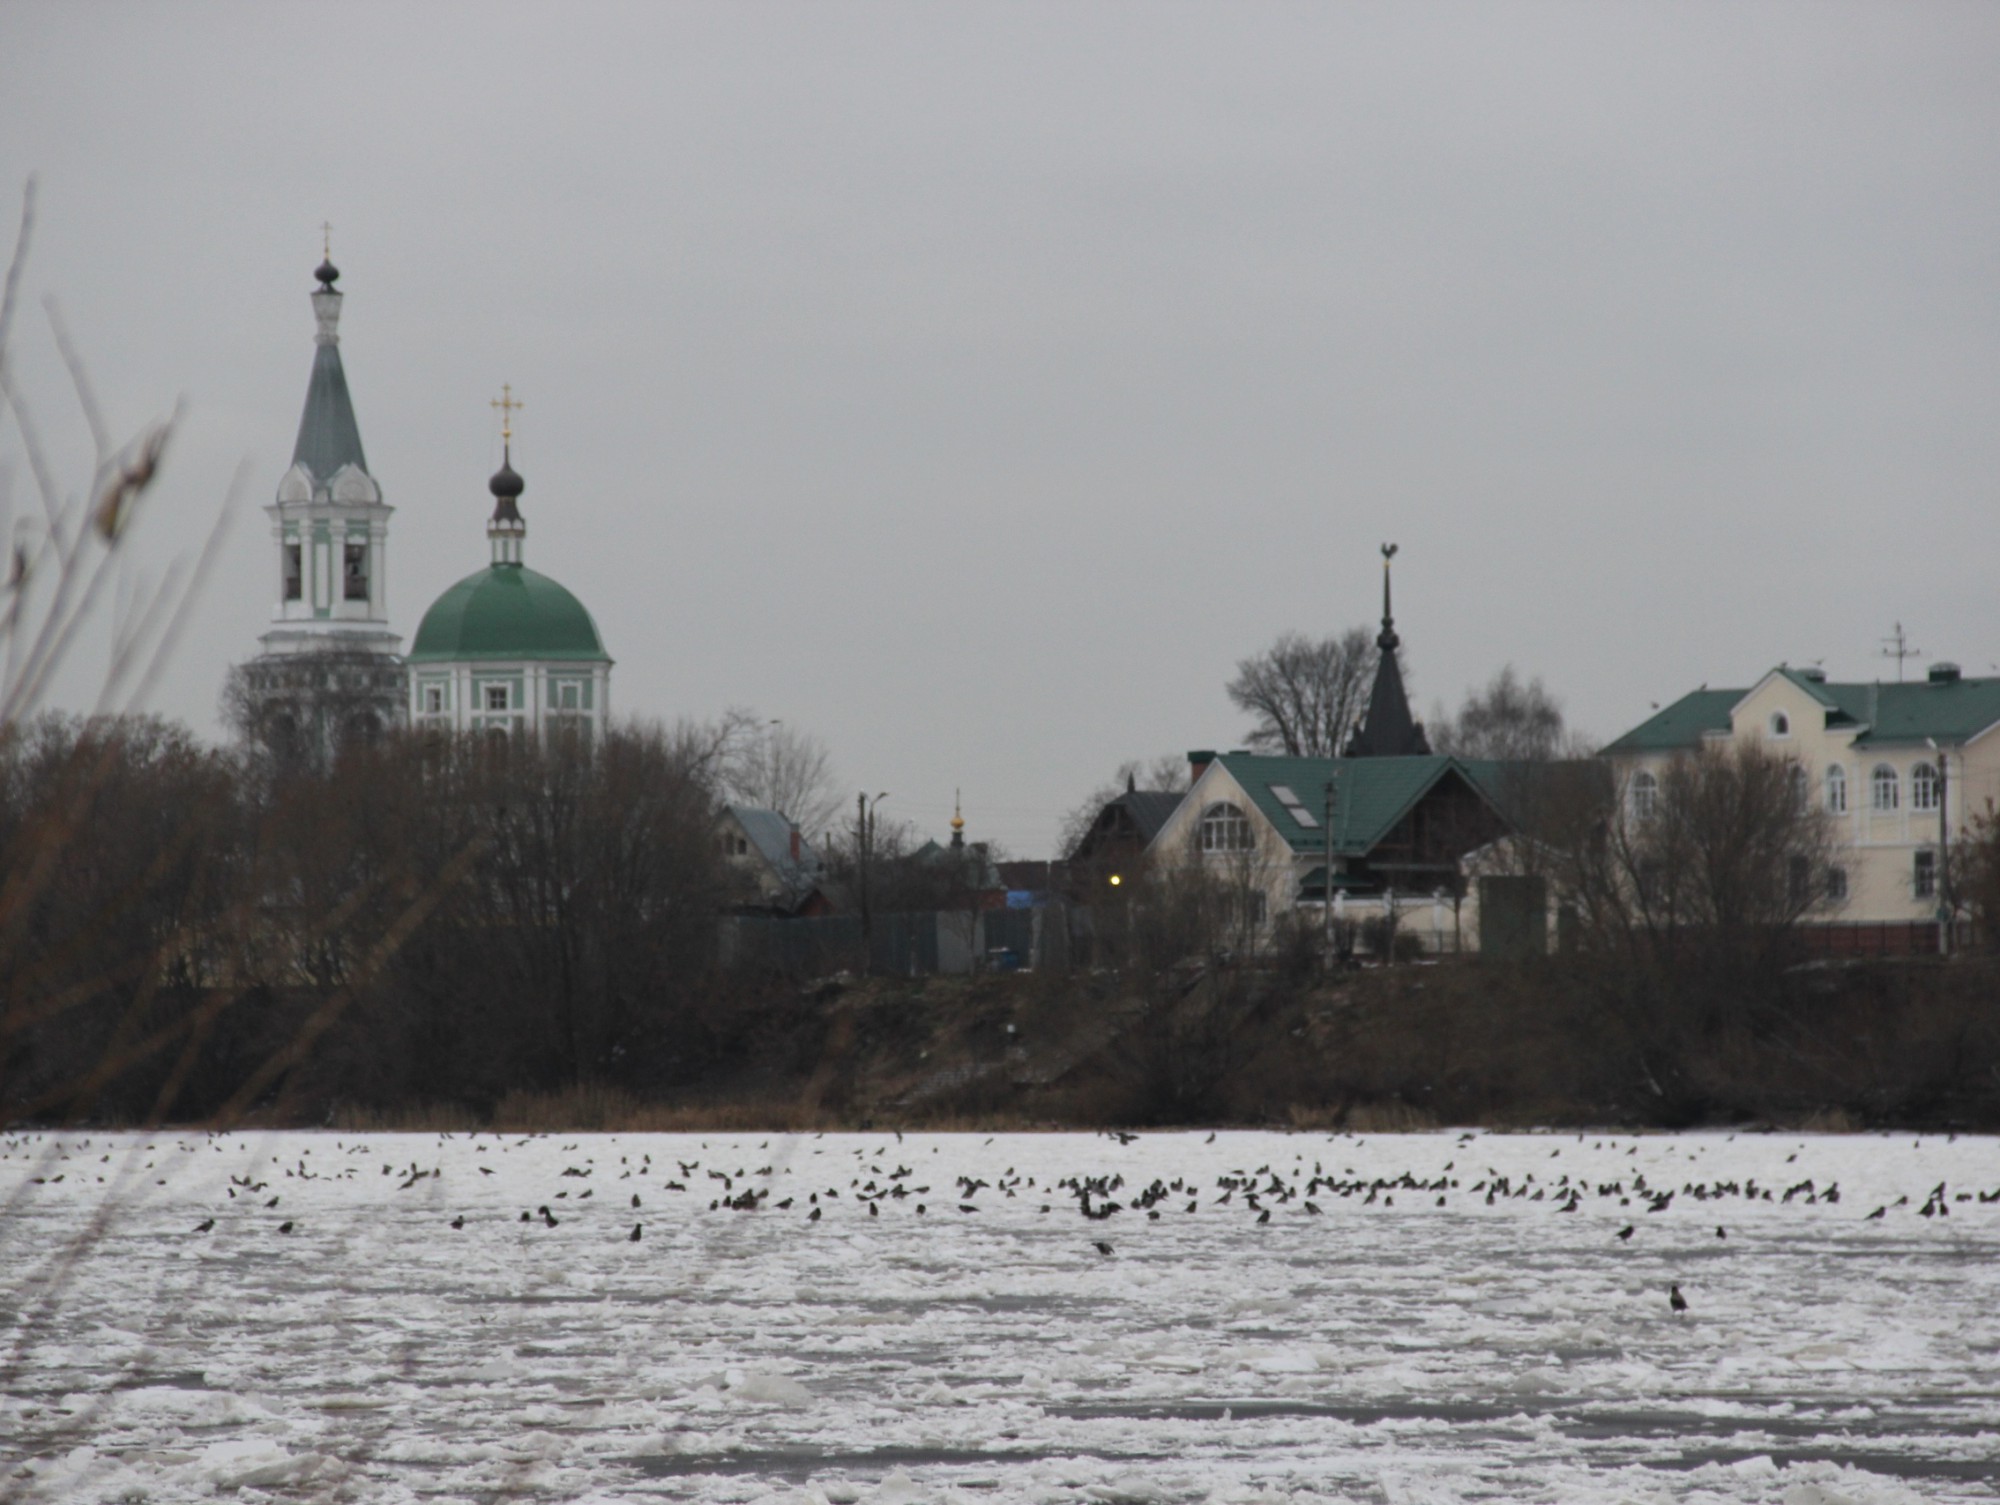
[[328, 670]]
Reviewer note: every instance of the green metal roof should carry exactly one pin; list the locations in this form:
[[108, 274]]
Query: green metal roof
[[507, 611], [1370, 794], [328, 435], [1681, 724], [1950, 711]]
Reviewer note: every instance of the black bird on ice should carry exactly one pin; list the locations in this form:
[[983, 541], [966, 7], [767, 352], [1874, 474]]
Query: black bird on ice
[[1675, 1299]]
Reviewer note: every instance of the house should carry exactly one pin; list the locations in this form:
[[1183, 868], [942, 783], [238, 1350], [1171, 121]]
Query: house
[[1899, 768], [781, 871], [1123, 829], [1389, 829]]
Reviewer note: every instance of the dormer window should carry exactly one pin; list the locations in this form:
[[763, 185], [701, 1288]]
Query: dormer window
[[1781, 724]]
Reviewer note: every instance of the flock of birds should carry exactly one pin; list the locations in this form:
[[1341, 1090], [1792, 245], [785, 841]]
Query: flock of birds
[[1097, 1199]]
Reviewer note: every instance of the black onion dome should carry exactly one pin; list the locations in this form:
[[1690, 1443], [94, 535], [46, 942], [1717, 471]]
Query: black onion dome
[[506, 485], [328, 274], [506, 482]]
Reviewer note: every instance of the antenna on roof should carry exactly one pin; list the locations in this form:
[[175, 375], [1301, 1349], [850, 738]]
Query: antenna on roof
[[1897, 646]]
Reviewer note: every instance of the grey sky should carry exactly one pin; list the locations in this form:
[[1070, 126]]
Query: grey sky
[[973, 385]]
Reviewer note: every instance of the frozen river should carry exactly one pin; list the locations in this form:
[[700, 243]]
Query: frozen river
[[1282, 1317]]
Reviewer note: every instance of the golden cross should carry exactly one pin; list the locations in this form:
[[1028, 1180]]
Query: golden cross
[[506, 404], [326, 239]]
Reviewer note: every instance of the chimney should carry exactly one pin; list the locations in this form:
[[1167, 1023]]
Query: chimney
[[1943, 673], [1197, 761], [795, 843]]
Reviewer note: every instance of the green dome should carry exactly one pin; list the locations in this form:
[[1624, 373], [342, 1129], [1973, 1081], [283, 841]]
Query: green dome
[[507, 611]]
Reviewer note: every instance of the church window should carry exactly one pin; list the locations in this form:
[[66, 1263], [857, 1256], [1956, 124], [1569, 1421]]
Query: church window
[[1836, 789], [1224, 828], [1923, 875], [572, 696], [1884, 787], [295, 573], [496, 697], [356, 588], [433, 700], [1923, 787]]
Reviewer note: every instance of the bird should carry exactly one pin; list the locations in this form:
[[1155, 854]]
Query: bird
[[813, 1216], [205, 1225], [459, 1221], [1625, 1233], [635, 1199], [1720, 1231], [272, 1203], [285, 1227], [548, 1217], [1101, 1247], [527, 1217], [1675, 1299], [874, 1211], [633, 1236], [1264, 1216], [1880, 1212]]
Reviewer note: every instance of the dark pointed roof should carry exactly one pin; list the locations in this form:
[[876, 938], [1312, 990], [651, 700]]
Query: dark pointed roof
[[328, 435], [1388, 730]]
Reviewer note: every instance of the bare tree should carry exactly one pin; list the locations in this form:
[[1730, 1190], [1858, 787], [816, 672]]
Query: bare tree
[[1308, 696], [1712, 864], [774, 766], [1508, 721]]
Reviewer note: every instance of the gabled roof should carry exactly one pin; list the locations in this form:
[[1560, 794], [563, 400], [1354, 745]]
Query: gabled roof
[[771, 834], [1371, 795], [1151, 808], [1948, 711]]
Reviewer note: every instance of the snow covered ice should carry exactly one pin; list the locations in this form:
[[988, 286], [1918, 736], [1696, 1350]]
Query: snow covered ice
[[1458, 1319]]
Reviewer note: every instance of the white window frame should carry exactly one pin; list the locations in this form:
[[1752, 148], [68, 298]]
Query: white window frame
[[433, 700], [1836, 789], [1923, 873], [1924, 786], [1225, 830], [505, 702], [1644, 795], [1885, 788], [1780, 724], [1801, 786]]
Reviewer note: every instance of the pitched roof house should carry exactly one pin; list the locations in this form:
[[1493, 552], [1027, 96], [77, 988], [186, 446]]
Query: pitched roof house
[[1898, 767], [779, 866]]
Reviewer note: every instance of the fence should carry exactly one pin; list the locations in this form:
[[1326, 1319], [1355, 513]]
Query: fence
[[946, 942]]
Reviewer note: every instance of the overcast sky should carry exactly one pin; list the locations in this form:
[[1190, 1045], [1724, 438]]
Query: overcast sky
[[973, 385]]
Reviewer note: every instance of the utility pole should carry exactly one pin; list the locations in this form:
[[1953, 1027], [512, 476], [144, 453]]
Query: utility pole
[[1944, 905], [1326, 889], [864, 845]]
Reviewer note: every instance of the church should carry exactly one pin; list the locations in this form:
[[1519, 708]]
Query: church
[[504, 652]]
